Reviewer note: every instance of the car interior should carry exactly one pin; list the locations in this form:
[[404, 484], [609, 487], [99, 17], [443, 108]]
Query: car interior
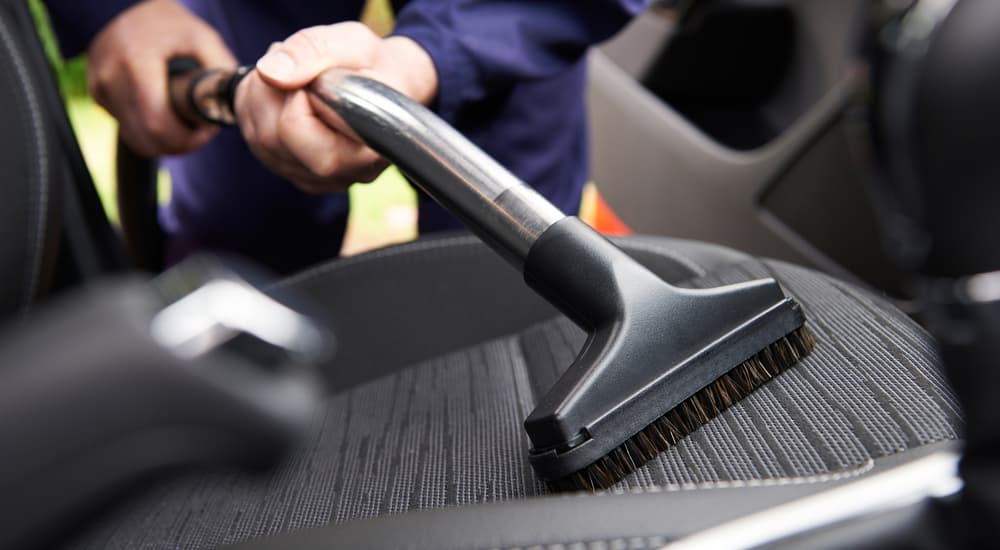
[[379, 400]]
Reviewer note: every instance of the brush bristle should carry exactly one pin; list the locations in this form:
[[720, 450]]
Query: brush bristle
[[691, 414]]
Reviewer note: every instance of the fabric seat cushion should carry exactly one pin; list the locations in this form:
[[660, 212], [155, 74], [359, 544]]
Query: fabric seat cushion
[[447, 430]]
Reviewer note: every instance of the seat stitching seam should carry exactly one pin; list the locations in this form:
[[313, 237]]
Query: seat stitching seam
[[839, 475], [40, 173], [648, 540]]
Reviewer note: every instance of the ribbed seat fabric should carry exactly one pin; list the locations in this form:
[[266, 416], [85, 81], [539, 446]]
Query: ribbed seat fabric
[[447, 431]]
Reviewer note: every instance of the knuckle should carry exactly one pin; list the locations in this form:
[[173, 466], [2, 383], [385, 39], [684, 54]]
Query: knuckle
[[310, 41], [370, 157], [267, 141], [157, 127], [286, 123], [353, 27], [324, 166], [359, 31], [98, 80], [326, 39], [265, 137], [248, 131]]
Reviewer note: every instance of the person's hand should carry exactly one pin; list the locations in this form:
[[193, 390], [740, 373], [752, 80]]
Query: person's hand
[[127, 73], [281, 127]]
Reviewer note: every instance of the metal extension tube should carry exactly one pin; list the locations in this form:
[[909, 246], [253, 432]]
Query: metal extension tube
[[498, 207]]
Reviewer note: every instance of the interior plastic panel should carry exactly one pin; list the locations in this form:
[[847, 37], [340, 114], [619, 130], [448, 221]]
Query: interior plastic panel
[[724, 68], [664, 174]]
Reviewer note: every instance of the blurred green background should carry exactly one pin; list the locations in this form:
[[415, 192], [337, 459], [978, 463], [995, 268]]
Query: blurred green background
[[383, 212]]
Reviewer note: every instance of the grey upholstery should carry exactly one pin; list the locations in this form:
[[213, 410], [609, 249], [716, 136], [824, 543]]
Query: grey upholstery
[[443, 432], [29, 207], [641, 520]]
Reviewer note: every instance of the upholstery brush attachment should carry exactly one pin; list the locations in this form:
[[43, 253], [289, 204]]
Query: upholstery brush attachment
[[660, 361], [692, 413]]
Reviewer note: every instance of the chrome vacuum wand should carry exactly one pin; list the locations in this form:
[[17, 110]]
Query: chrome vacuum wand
[[507, 214]]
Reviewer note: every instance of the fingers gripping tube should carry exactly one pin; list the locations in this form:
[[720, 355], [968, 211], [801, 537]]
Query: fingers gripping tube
[[493, 203]]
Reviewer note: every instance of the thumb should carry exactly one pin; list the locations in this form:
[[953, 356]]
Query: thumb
[[303, 56]]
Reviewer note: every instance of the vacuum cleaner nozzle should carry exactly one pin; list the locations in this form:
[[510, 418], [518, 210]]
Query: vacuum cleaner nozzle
[[659, 363]]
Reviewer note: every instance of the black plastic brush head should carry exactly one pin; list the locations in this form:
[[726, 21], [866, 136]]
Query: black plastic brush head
[[693, 413], [659, 363]]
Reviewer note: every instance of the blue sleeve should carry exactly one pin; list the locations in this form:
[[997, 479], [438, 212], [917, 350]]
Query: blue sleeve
[[483, 47], [76, 23]]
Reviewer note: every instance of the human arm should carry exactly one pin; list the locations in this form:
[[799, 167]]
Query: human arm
[[127, 66], [474, 49], [484, 48], [76, 23], [279, 124]]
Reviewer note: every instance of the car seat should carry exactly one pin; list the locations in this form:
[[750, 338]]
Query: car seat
[[443, 351]]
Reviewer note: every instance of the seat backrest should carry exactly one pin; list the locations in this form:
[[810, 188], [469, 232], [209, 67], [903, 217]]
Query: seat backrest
[[53, 231]]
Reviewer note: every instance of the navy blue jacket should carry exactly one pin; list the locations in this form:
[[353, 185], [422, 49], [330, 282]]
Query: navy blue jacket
[[511, 78]]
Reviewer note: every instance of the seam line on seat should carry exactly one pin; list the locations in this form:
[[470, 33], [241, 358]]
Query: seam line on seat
[[839, 475], [33, 268], [626, 543]]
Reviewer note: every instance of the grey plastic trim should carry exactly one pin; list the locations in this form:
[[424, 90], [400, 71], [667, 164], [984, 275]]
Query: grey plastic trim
[[636, 46], [664, 176], [674, 180]]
